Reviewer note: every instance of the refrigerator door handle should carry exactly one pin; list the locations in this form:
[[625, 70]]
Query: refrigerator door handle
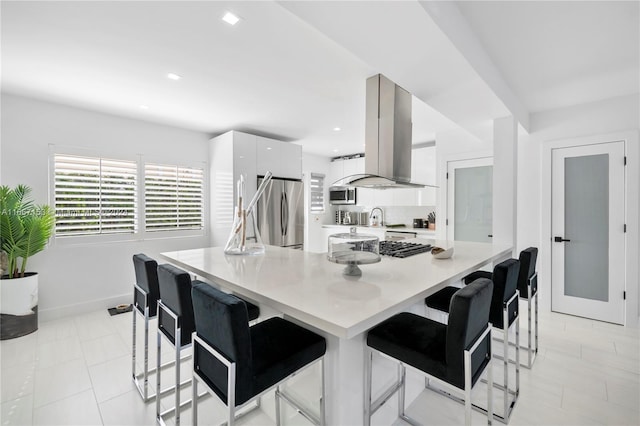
[[285, 212], [282, 214]]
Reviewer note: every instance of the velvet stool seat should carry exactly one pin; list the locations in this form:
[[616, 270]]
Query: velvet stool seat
[[238, 363], [146, 293], [453, 355], [503, 315], [176, 323]]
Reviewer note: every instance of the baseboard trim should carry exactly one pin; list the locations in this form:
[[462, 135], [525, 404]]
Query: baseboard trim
[[82, 308]]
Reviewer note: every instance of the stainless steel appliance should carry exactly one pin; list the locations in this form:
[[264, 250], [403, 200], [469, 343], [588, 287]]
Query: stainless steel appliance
[[281, 213], [342, 195], [399, 235], [388, 133], [402, 249]]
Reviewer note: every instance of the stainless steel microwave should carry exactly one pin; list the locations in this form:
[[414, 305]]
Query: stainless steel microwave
[[342, 195]]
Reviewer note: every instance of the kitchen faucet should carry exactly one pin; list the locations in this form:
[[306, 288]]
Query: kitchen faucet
[[371, 215]]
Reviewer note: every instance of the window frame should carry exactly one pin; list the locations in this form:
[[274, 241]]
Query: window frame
[[313, 176], [141, 234], [172, 233]]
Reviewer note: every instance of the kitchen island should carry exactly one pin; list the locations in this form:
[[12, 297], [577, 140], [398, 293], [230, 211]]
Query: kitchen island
[[311, 291]]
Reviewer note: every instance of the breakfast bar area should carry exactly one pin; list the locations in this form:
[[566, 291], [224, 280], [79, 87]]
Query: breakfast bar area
[[309, 290], [319, 213]]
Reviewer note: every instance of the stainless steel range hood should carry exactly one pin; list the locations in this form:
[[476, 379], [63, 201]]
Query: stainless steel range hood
[[387, 160]]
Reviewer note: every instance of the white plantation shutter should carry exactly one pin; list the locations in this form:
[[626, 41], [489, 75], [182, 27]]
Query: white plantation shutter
[[317, 193], [173, 197], [94, 195]]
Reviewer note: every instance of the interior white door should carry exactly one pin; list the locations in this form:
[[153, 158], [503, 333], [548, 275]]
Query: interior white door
[[470, 200], [587, 225]]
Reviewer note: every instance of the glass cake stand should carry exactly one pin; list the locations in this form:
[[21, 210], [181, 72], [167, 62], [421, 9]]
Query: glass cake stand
[[353, 249]]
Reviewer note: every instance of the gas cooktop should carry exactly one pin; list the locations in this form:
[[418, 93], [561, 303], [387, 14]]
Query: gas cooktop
[[402, 249]]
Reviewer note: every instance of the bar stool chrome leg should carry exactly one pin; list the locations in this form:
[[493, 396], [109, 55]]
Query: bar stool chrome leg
[[176, 388], [532, 299], [141, 381]]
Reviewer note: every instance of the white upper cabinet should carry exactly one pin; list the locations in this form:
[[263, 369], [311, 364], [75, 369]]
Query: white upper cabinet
[[423, 170], [291, 160], [244, 160], [267, 156], [336, 171], [282, 159], [353, 166]]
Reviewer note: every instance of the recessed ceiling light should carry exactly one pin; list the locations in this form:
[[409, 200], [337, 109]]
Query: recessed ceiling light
[[172, 76], [144, 107], [336, 129], [335, 150], [268, 148], [230, 18]]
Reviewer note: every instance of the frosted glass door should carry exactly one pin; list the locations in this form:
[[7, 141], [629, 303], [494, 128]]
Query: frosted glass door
[[587, 226], [470, 200]]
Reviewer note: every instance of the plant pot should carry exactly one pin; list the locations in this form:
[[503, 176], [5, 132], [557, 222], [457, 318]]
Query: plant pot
[[18, 306], [432, 226]]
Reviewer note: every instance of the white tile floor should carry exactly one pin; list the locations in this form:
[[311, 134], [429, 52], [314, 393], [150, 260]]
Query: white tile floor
[[77, 371]]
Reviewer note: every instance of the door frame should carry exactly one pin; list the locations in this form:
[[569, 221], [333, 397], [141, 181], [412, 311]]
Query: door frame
[[442, 200], [632, 204], [613, 308], [450, 207]]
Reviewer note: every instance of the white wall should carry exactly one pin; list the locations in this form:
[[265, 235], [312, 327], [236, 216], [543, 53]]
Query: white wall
[[88, 276], [314, 239], [505, 179], [600, 118]]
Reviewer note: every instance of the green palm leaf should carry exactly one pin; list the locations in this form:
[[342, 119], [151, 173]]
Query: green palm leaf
[[25, 227]]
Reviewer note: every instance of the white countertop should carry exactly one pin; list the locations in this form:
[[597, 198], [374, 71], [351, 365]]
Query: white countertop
[[308, 287]]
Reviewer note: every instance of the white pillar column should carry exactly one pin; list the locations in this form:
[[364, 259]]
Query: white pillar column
[[505, 173]]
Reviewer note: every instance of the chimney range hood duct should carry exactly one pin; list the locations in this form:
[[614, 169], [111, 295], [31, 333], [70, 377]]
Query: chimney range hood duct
[[387, 157]]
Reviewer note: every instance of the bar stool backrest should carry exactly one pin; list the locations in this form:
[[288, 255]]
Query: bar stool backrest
[[505, 281], [147, 279], [222, 321], [528, 259], [468, 318], [175, 293]]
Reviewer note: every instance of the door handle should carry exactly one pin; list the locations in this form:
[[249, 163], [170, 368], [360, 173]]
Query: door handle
[[282, 214], [286, 215], [560, 240], [490, 235]]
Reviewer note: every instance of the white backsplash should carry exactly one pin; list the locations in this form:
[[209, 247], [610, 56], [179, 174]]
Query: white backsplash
[[393, 214]]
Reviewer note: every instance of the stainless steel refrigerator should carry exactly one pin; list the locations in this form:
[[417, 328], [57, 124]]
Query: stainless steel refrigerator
[[281, 213]]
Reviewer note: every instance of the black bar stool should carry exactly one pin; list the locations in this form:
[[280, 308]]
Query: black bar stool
[[145, 302], [177, 324], [453, 355], [504, 314], [528, 290], [239, 363]]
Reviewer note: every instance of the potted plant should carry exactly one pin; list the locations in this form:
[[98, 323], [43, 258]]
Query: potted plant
[[25, 229]]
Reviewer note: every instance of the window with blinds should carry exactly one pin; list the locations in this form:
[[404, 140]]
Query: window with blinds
[[94, 195], [317, 193], [173, 197]]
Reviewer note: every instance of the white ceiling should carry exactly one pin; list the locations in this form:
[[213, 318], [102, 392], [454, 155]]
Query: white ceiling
[[555, 54], [296, 70]]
